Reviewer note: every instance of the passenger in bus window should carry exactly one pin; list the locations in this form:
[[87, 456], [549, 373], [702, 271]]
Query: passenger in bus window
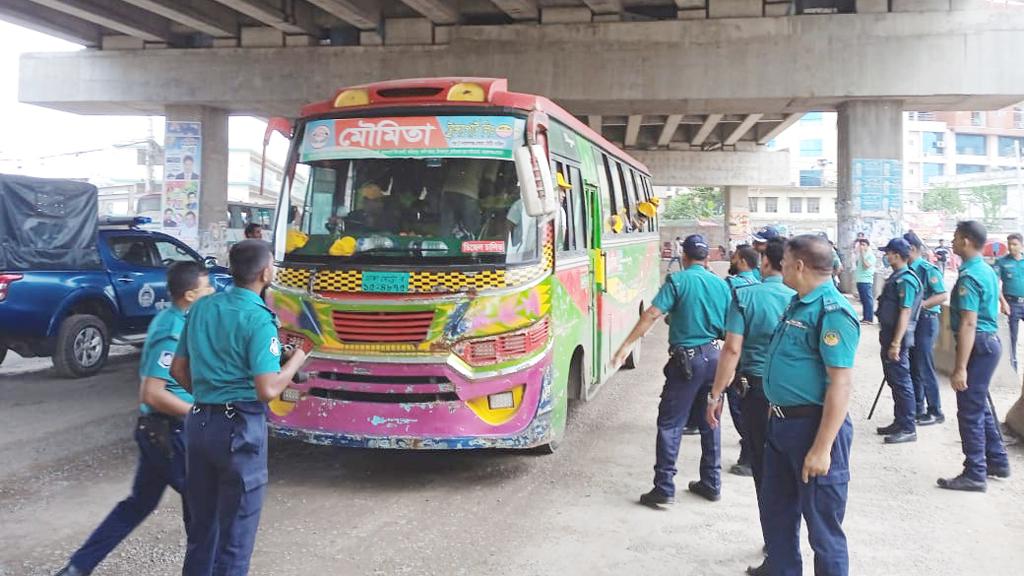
[[253, 231]]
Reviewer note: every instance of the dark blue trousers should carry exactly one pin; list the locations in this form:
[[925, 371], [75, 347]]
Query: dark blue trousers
[[679, 395], [155, 472], [821, 502], [732, 395], [897, 374], [922, 365], [979, 437], [227, 477], [1016, 315], [755, 424], [866, 291]]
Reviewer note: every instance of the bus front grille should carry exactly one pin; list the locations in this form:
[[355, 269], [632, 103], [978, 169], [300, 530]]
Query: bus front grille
[[383, 397], [382, 326]]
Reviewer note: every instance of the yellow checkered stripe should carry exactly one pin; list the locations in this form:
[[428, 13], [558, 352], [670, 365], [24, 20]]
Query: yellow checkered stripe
[[455, 281], [338, 281], [294, 277]]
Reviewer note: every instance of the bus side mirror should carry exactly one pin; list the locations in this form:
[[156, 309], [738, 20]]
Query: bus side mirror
[[535, 184], [282, 126]]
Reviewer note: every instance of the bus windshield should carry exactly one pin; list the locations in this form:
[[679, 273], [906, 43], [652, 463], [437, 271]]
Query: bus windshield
[[415, 210]]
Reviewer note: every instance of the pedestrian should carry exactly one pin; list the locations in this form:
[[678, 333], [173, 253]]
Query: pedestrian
[[899, 305], [253, 231], [676, 256], [973, 312], [761, 238], [865, 275], [159, 432], [1011, 297], [808, 376], [229, 357], [922, 362], [942, 255], [695, 300], [741, 273], [754, 313]]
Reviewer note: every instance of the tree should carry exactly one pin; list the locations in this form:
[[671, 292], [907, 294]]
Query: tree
[[700, 203], [992, 199], [942, 199]]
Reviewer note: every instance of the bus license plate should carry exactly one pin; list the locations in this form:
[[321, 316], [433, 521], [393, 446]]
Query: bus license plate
[[385, 281]]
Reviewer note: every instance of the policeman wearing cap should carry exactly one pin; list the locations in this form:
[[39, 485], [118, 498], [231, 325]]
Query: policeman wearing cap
[[745, 261], [973, 313], [898, 307], [695, 300], [808, 377], [753, 315], [1011, 299], [761, 238], [922, 363], [229, 357]]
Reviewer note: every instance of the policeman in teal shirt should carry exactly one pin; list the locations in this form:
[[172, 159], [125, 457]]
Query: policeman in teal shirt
[[754, 313], [808, 377], [973, 313], [761, 238], [922, 362], [229, 357], [159, 432], [745, 262], [695, 300], [1011, 298]]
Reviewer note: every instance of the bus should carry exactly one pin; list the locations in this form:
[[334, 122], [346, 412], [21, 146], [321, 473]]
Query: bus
[[464, 262]]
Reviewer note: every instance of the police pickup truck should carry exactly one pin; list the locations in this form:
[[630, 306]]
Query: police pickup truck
[[72, 284]]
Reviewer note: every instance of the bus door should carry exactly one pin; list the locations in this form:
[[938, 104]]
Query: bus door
[[573, 265]]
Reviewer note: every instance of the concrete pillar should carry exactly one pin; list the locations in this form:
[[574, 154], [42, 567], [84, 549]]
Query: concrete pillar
[[213, 174], [737, 214], [870, 196]]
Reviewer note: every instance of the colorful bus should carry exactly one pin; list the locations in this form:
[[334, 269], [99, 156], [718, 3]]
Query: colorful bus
[[465, 261]]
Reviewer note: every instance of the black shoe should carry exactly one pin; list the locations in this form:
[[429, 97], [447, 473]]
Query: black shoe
[[887, 430], [999, 472], [926, 420], [962, 483], [761, 570], [691, 431], [70, 570], [740, 469], [901, 437], [656, 498], [939, 418], [701, 489]]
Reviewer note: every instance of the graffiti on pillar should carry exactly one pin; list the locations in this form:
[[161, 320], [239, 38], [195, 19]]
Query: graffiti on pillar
[[739, 226], [182, 167], [878, 184]]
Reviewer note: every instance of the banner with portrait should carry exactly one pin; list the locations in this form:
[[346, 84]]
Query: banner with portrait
[[182, 168]]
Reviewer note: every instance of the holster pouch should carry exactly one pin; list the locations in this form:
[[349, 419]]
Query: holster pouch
[[741, 385], [156, 428], [684, 358]]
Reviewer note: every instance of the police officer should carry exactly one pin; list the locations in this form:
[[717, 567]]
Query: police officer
[[695, 300], [745, 261], [761, 238], [229, 356], [898, 307], [753, 315], [807, 379], [159, 432], [973, 309], [1011, 298], [922, 363]]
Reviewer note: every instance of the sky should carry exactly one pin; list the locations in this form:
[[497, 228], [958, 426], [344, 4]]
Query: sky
[[32, 131]]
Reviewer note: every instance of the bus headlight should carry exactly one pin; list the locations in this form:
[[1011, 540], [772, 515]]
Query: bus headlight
[[503, 347]]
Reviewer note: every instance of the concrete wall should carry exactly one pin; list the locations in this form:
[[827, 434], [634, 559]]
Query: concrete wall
[[693, 168]]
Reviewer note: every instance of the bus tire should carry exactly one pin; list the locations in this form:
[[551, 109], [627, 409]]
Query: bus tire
[[633, 360], [547, 449], [83, 343], [3, 353], [575, 382]]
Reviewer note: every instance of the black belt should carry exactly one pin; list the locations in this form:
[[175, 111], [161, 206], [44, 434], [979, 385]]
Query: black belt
[[799, 411], [691, 352], [929, 313], [753, 380], [1014, 299], [226, 408]]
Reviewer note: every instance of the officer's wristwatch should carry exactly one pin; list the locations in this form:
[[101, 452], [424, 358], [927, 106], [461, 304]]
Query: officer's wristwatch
[[712, 400]]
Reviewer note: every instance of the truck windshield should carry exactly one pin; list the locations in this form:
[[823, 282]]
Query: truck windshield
[[418, 210]]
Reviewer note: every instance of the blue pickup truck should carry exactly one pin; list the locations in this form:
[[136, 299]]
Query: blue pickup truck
[[71, 304]]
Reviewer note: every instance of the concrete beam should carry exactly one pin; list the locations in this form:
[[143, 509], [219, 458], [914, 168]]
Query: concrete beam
[[742, 129], [124, 19], [437, 11], [209, 19], [705, 129], [632, 130], [694, 168], [595, 123], [604, 6], [48, 21], [297, 20], [519, 9], [359, 14], [779, 128], [756, 65], [667, 131]]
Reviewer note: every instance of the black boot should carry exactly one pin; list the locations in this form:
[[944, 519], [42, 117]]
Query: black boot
[[962, 483], [656, 498], [761, 570], [886, 430], [705, 491]]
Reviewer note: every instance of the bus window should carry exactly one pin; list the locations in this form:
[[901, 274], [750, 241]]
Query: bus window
[[579, 210], [628, 203], [604, 201], [617, 191]]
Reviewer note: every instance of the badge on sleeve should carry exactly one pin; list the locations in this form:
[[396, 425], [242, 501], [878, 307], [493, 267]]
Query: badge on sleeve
[[830, 338], [166, 357], [933, 279], [963, 290], [275, 346]]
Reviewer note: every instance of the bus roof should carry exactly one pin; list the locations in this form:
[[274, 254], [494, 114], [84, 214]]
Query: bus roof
[[490, 92]]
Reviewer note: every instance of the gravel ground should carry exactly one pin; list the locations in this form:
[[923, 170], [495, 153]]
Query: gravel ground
[[68, 459]]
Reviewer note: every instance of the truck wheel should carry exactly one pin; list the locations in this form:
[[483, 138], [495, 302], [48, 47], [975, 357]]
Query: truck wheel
[[3, 353], [633, 360], [82, 346]]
